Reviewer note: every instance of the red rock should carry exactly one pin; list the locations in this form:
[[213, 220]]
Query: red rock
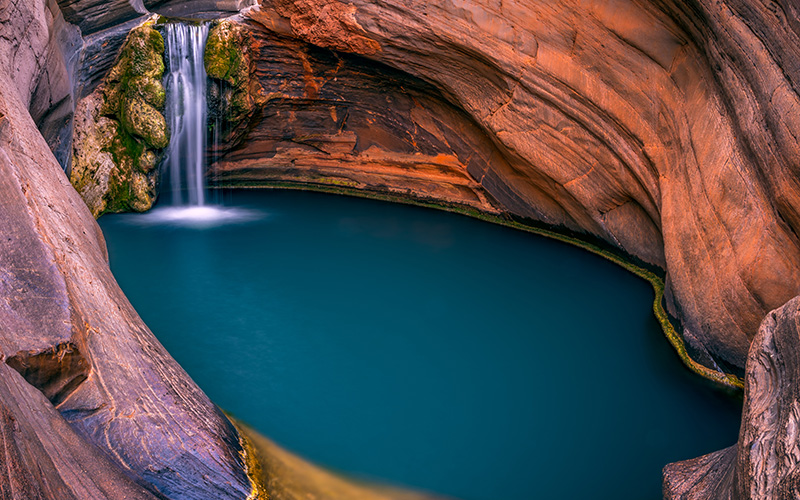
[[665, 135]]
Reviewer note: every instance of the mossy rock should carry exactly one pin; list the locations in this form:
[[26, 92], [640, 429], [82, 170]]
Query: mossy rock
[[135, 80], [142, 192], [130, 187], [236, 93], [148, 161], [149, 89], [143, 120], [144, 52], [112, 100], [226, 54], [122, 131]]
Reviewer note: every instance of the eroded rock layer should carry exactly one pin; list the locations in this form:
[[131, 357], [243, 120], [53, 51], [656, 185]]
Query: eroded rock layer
[[338, 120], [636, 122]]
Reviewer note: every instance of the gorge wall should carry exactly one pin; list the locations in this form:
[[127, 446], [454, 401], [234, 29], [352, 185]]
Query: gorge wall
[[91, 405], [648, 125], [666, 128]]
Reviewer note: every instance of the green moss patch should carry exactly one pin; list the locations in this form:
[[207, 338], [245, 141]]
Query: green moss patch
[[133, 98], [235, 93], [226, 53]]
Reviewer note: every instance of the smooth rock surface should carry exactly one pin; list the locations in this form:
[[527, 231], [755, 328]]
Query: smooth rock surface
[[92, 405]]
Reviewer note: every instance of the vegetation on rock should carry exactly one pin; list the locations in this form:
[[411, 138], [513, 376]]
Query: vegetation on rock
[[123, 131], [224, 57], [235, 94]]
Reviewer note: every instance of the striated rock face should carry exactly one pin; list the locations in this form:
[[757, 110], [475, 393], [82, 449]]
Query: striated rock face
[[663, 128], [91, 405], [96, 15], [339, 120], [765, 464]]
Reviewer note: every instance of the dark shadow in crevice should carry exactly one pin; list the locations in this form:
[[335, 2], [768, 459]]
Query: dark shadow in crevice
[[57, 372]]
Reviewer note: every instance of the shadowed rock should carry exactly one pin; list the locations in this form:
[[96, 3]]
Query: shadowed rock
[[765, 463], [92, 406]]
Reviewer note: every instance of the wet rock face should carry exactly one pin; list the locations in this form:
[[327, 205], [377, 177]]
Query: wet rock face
[[120, 131], [659, 127], [235, 94]]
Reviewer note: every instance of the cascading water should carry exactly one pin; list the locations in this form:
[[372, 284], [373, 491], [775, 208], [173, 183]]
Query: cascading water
[[184, 167], [186, 112]]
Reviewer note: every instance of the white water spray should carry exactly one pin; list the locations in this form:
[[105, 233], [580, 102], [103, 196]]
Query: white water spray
[[187, 113]]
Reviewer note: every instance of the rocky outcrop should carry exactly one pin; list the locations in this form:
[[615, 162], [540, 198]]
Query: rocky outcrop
[[235, 94], [120, 131], [91, 405], [765, 464]]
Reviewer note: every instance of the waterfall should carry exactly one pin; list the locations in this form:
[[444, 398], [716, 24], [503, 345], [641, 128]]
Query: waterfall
[[184, 166], [187, 112]]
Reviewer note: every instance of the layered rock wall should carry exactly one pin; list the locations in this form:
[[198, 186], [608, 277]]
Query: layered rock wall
[[664, 128]]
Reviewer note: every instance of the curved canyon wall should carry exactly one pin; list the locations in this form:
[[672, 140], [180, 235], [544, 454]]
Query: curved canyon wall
[[666, 128], [91, 405], [663, 128]]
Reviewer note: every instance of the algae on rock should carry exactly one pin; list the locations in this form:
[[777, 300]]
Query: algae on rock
[[121, 132], [235, 94]]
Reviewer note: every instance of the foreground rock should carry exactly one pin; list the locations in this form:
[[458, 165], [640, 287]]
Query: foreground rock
[[765, 463], [91, 405]]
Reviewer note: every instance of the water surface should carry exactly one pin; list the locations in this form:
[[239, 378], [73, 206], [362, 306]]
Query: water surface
[[422, 348]]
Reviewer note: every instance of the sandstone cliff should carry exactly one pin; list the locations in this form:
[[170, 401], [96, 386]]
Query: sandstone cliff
[[91, 405], [667, 128]]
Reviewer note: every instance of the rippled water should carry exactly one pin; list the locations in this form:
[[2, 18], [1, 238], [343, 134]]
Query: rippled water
[[422, 348]]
